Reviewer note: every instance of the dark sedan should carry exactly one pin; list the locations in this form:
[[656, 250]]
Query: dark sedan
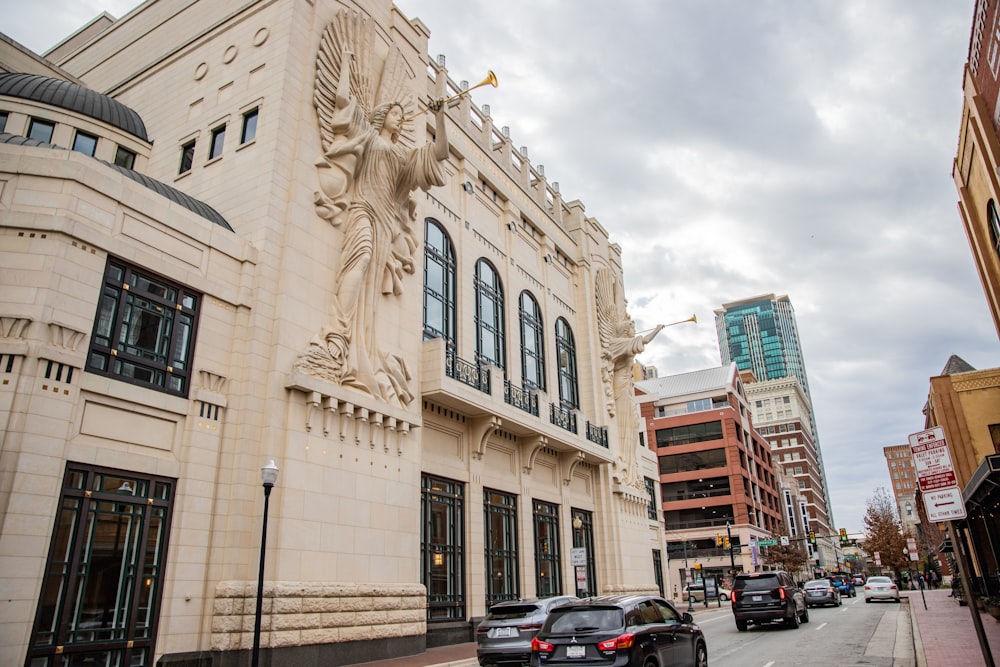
[[619, 631]]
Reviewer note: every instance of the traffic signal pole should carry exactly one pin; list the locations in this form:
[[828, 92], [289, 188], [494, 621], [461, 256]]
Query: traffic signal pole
[[732, 560]]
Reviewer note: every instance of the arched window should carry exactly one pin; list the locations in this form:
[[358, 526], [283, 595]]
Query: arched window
[[994, 223], [532, 342], [489, 315], [439, 283], [569, 389]]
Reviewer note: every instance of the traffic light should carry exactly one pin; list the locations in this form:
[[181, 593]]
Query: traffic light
[[812, 537], [718, 539], [697, 566], [843, 536], [726, 542]]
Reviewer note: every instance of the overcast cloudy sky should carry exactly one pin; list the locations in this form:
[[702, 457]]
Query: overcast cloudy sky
[[739, 148]]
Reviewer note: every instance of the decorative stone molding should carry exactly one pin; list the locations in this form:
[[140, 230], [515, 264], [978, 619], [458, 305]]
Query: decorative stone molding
[[568, 462], [533, 446], [13, 327], [480, 431], [309, 613]]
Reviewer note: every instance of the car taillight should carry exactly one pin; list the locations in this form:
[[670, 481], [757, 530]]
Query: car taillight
[[538, 646], [781, 593], [482, 630], [619, 642], [892, 587], [530, 627], [735, 596]]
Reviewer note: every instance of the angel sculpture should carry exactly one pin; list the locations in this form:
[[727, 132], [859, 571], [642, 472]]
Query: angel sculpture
[[619, 345], [366, 174]]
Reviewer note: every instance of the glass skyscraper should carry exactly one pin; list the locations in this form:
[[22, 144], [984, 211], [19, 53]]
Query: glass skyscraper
[[759, 335]]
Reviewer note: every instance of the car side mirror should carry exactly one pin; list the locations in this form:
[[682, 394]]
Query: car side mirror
[[687, 618]]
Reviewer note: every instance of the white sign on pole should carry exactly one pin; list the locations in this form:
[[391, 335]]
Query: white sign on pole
[[578, 556], [936, 475], [944, 505], [784, 540]]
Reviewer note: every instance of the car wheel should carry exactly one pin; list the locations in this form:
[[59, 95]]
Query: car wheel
[[840, 601], [792, 622], [805, 615], [700, 655], [741, 626], [868, 599]]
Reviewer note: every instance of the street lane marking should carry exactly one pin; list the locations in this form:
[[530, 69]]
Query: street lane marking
[[821, 626], [769, 664]]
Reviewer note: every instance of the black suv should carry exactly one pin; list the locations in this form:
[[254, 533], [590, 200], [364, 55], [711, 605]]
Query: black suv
[[619, 631], [766, 597]]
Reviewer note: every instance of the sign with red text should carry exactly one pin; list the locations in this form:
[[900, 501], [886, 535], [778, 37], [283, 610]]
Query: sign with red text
[[944, 505], [932, 461]]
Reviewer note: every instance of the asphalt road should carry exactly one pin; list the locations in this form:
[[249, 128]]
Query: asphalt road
[[875, 635]]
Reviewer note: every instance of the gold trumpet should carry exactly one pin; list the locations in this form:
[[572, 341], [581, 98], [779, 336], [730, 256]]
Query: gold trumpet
[[693, 318], [490, 80]]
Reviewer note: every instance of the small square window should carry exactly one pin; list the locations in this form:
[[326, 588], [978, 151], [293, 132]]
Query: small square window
[[124, 158], [41, 130], [85, 143], [187, 157], [218, 139], [249, 126]]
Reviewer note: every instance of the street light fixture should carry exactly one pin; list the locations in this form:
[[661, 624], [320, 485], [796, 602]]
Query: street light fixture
[[268, 476]]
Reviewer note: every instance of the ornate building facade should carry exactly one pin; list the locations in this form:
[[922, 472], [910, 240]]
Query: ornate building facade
[[237, 232]]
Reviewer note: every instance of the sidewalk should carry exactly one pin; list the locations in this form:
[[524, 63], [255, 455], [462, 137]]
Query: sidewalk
[[944, 634]]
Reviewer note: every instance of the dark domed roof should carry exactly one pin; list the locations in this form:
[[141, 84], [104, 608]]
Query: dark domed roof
[[173, 194], [73, 97]]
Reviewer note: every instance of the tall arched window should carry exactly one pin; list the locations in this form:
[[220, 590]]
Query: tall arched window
[[569, 388], [439, 283], [994, 223], [532, 342], [489, 315]]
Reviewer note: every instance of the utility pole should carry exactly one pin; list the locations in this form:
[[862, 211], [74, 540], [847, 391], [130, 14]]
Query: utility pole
[[687, 577]]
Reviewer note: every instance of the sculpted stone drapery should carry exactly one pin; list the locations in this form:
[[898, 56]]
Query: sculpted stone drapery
[[366, 176], [619, 346]]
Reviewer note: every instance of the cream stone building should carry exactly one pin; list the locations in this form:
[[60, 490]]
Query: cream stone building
[[236, 232]]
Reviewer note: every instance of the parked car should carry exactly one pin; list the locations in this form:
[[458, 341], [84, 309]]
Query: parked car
[[881, 588], [821, 592], [697, 592], [504, 636], [768, 597], [845, 584], [619, 631]]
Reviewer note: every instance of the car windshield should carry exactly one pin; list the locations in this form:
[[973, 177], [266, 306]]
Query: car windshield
[[592, 619], [509, 612], [818, 583], [756, 583]]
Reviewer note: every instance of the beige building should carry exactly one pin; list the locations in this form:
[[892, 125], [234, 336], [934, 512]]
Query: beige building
[[781, 414], [225, 242]]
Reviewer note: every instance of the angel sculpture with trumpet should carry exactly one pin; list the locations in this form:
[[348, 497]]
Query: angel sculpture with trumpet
[[366, 176]]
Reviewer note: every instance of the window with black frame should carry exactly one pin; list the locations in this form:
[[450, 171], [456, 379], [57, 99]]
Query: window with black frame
[[500, 526], [439, 283], [101, 590], [569, 388], [442, 548], [532, 342], [548, 568], [490, 329], [144, 331]]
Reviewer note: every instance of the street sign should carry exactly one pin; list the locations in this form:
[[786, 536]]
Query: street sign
[[932, 460], [784, 540], [766, 543], [578, 556], [944, 505]]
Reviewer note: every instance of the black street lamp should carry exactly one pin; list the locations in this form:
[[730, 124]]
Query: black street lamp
[[268, 475]]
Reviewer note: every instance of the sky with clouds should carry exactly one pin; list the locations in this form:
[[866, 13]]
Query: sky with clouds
[[735, 149]]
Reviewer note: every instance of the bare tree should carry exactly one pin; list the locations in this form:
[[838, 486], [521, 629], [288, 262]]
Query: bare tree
[[883, 531], [791, 559]]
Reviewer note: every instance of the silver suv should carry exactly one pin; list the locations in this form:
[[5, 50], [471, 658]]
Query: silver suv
[[504, 636]]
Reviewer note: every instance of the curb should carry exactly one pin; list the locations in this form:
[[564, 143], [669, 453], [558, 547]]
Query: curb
[[918, 646]]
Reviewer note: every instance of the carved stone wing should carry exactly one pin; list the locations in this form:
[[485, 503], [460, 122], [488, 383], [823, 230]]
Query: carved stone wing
[[376, 78]]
